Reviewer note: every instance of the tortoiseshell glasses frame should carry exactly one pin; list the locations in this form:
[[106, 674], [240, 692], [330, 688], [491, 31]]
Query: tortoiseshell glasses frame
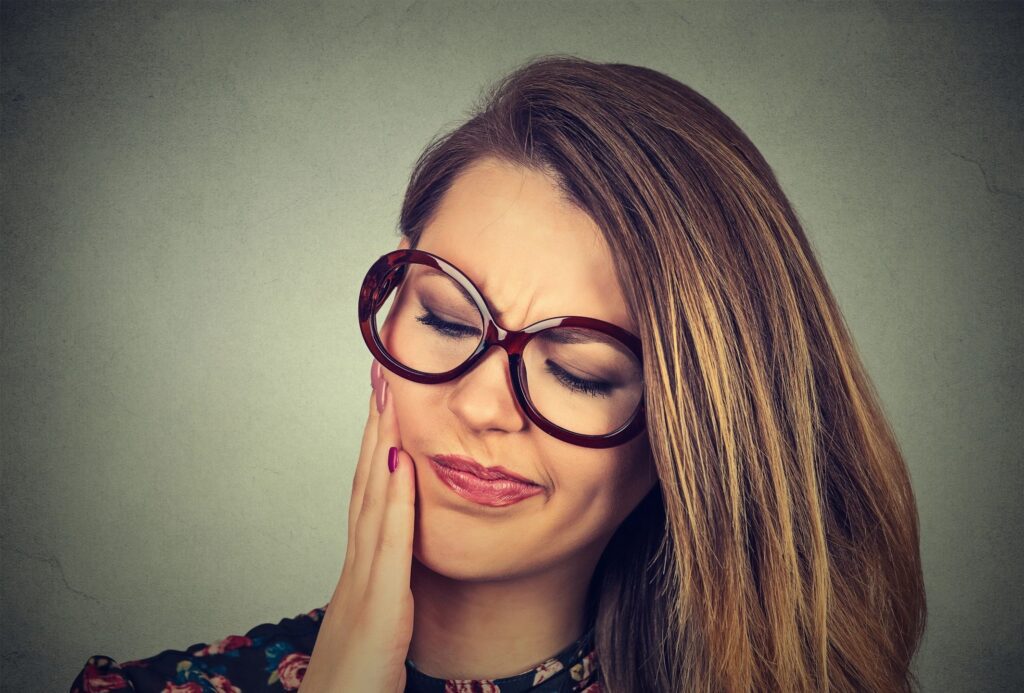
[[387, 273]]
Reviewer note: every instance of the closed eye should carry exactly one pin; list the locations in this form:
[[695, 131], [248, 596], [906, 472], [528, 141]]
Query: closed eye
[[443, 327], [594, 388]]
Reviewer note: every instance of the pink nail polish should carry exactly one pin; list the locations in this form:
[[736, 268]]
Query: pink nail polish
[[374, 374], [392, 459], [382, 390]]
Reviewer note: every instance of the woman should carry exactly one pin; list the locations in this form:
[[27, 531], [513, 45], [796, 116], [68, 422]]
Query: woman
[[688, 485]]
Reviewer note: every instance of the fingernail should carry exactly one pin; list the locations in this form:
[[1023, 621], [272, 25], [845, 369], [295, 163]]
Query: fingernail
[[374, 374], [392, 459]]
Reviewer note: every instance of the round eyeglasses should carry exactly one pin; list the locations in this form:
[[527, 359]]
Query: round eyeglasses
[[578, 379]]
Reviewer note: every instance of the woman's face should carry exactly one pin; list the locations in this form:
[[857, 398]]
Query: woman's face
[[533, 256]]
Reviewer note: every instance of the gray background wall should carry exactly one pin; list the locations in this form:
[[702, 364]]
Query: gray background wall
[[192, 192]]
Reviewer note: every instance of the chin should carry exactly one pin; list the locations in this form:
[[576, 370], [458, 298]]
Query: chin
[[466, 549], [455, 565]]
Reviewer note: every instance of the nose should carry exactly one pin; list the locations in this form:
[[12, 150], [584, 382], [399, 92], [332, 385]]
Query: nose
[[483, 397]]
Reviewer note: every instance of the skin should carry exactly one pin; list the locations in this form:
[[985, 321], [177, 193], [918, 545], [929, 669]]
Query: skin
[[516, 575], [494, 591]]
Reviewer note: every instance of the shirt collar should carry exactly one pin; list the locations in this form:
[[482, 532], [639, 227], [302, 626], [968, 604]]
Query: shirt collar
[[572, 669]]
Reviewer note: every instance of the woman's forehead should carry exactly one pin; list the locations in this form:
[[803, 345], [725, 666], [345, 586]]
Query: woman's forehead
[[533, 255]]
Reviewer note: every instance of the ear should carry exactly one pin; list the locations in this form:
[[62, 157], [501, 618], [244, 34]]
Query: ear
[[404, 243]]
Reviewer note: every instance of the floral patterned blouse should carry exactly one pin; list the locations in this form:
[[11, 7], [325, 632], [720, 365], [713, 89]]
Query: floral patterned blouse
[[273, 657]]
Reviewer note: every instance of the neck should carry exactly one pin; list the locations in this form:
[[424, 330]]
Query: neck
[[495, 629]]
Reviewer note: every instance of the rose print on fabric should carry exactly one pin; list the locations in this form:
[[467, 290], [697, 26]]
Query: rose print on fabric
[[291, 669], [136, 663], [275, 657], [97, 680], [221, 684], [585, 668], [211, 684], [286, 665], [190, 687], [572, 670], [232, 642], [233, 664], [468, 686], [192, 679], [546, 670]]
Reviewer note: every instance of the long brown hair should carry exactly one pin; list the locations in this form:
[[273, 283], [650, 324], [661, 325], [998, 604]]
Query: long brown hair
[[779, 550]]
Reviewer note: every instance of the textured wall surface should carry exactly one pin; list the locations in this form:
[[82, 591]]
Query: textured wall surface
[[193, 191]]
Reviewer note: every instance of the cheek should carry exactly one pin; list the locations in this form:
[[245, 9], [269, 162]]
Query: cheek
[[415, 405], [602, 493], [620, 474], [601, 488]]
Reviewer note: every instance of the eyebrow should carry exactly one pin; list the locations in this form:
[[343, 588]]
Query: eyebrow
[[563, 335], [469, 298], [578, 335]]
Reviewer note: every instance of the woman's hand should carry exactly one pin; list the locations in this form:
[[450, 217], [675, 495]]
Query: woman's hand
[[364, 637]]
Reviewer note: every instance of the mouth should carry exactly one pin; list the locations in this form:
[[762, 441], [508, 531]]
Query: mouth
[[493, 486]]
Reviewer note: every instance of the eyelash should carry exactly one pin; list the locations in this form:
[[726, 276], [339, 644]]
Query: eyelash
[[587, 387], [571, 382], [448, 329]]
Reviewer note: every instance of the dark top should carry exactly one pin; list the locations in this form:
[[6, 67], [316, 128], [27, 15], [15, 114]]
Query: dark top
[[273, 657]]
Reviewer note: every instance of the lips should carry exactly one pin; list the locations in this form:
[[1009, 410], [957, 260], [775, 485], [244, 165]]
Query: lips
[[465, 464], [493, 486]]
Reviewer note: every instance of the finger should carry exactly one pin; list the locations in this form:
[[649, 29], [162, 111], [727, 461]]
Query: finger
[[371, 513], [362, 472], [367, 446], [392, 561]]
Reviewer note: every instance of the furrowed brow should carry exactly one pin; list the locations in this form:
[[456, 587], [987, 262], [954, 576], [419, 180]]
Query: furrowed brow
[[563, 335], [578, 335]]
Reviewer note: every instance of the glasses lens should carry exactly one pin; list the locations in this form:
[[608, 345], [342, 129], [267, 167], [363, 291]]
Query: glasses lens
[[428, 323], [582, 380]]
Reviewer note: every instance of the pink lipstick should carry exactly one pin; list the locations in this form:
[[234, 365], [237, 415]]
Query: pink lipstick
[[493, 486]]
